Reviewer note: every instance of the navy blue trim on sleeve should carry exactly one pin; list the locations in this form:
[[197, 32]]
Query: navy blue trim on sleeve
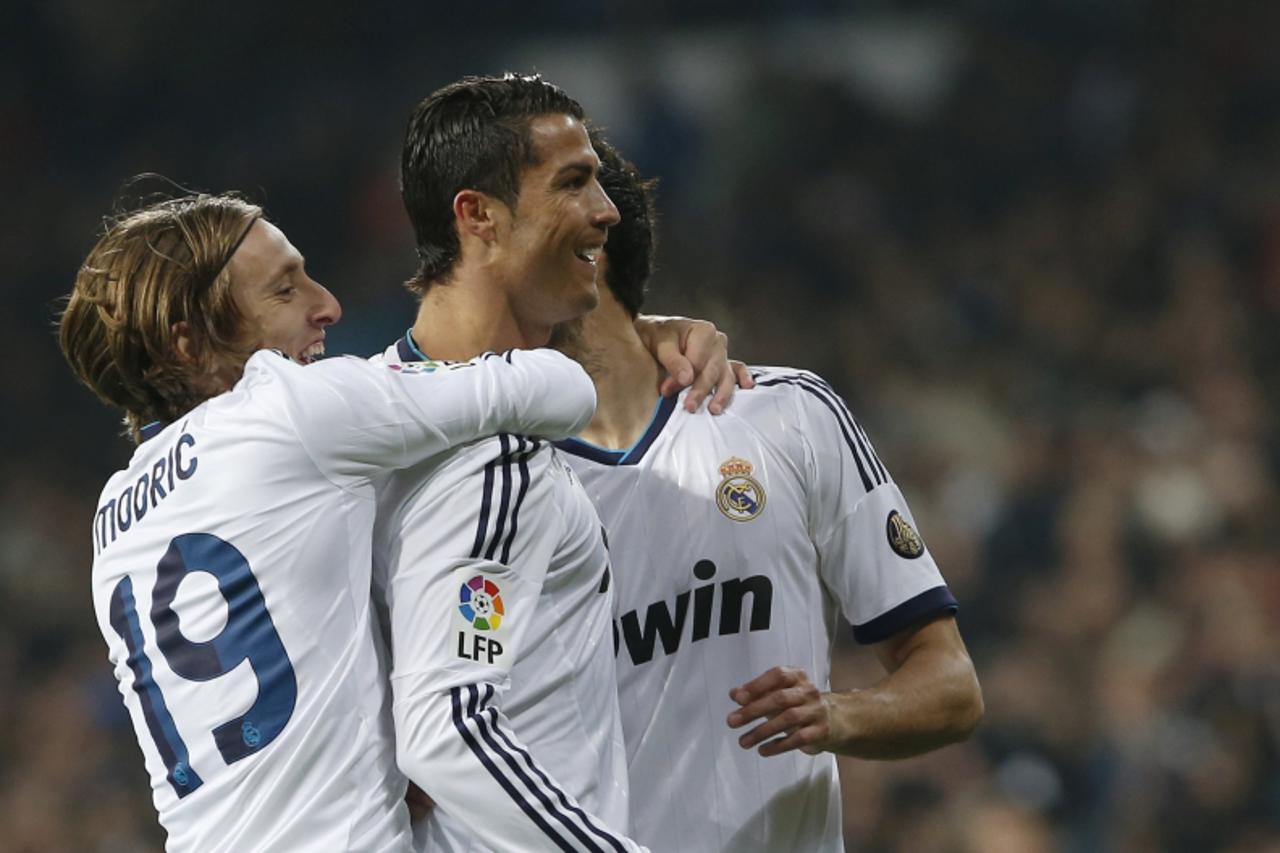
[[931, 602]]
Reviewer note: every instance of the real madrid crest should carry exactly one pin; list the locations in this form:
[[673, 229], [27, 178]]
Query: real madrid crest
[[739, 496], [903, 539]]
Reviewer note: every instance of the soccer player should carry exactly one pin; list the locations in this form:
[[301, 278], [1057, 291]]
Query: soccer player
[[231, 571], [737, 543], [492, 563]]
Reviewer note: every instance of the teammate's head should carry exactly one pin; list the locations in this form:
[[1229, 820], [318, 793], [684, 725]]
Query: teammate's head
[[480, 140], [174, 297], [632, 243]]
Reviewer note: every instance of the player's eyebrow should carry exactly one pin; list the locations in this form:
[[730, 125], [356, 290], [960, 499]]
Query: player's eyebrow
[[578, 168], [291, 265]]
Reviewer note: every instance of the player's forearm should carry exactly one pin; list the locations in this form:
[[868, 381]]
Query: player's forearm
[[460, 749], [932, 699], [537, 392]]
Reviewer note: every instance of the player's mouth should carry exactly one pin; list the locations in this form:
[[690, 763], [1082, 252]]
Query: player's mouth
[[313, 353], [589, 255]]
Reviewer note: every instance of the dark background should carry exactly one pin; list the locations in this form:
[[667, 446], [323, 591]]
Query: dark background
[[1035, 245]]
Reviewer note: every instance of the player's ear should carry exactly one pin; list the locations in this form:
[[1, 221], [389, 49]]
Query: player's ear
[[184, 345], [187, 346], [478, 214]]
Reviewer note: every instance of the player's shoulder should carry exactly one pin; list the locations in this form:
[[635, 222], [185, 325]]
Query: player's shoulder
[[790, 387], [785, 379], [346, 375]]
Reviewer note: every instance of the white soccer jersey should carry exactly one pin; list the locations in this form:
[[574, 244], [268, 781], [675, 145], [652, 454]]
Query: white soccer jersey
[[491, 562], [737, 541], [231, 580]]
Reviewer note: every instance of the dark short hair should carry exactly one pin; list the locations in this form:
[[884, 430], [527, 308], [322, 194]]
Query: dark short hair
[[472, 134], [633, 242]]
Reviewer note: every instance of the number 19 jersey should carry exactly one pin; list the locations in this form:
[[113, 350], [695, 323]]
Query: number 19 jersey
[[737, 543], [231, 580]]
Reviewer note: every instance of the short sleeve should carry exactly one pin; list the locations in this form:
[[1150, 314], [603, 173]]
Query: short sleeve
[[872, 556]]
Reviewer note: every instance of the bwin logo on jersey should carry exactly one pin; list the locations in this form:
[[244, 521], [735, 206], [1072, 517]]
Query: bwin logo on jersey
[[739, 496], [410, 367], [748, 599]]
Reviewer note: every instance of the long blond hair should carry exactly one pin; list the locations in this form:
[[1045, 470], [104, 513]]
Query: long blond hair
[[152, 269]]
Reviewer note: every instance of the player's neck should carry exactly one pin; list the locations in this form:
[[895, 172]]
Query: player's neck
[[459, 320], [625, 374]]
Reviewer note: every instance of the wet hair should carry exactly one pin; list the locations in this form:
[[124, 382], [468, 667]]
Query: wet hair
[[151, 269], [472, 134], [632, 243]]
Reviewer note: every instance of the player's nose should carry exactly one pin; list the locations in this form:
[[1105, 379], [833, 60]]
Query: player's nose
[[327, 310], [605, 214]]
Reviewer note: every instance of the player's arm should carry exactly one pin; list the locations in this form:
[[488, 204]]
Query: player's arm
[[696, 353], [356, 415], [462, 588], [876, 565], [929, 699]]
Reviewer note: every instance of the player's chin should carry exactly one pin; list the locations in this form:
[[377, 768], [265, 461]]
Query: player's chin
[[582, 299]]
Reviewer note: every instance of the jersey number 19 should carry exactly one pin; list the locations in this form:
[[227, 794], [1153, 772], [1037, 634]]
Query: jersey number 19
[[249, 634]]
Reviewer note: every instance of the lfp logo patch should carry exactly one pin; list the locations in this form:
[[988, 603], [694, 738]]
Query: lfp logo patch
[[480, 602], [410, 367]]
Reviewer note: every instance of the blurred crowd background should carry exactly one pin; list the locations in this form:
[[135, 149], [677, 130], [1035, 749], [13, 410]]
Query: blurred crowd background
[[1035, 245]]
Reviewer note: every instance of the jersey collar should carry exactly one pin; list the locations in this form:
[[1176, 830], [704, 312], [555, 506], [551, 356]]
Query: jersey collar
[[633, 454], [408, 350], [151, 430]]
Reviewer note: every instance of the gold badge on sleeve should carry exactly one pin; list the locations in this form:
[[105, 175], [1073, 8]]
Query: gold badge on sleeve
[[903, 539], [739, 496]]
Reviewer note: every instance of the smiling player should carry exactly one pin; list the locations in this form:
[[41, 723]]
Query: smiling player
[[491, 562], [231, 568], [737, 544]]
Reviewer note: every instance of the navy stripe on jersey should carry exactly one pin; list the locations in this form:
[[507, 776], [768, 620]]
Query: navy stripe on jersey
[[485, 718], [486, 498], [523, 464], [870, 470], [486, 545], [931, 602], [506, 496], [633, 454], [598, 831], [857, 426], [460, 721]]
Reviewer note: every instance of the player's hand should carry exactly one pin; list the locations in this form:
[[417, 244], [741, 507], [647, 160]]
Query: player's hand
[[420, 805], [796, 714], [695, 353]]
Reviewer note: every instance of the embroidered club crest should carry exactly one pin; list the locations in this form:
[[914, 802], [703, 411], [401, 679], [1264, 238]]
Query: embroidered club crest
[[739, 496], [903, 539]]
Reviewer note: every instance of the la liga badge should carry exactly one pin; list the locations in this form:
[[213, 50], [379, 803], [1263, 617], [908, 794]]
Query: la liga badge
[[480, 603]]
